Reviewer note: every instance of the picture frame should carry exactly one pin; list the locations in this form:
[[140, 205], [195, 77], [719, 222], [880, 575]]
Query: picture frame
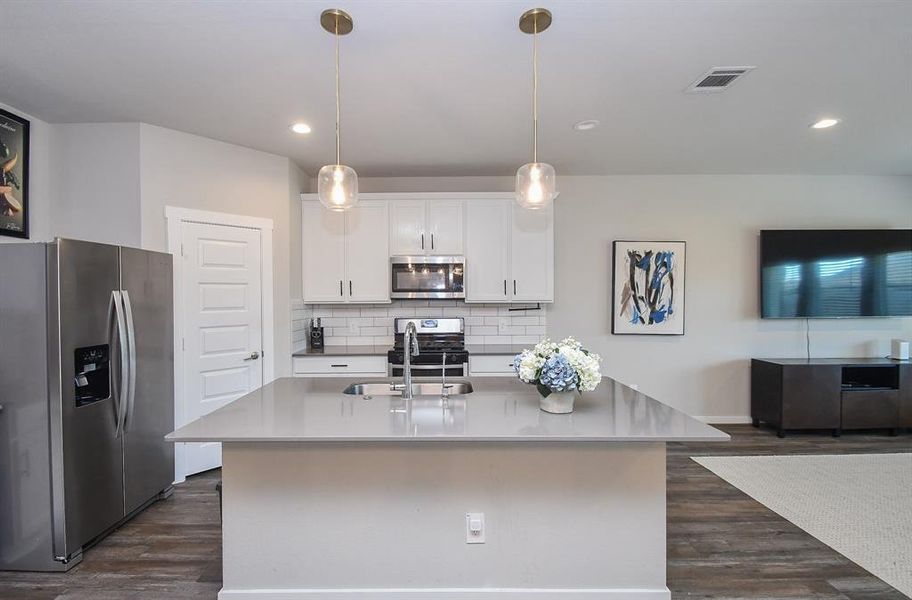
[[648, 287], [14, 175]]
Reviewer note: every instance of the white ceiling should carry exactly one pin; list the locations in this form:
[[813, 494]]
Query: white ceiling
[[442, 87]]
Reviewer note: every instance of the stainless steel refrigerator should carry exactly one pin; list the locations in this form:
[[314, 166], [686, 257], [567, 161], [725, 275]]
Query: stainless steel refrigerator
[[87, 395]]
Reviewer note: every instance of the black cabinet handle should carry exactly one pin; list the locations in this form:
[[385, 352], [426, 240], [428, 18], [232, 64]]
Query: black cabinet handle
[[422, 241], [340, 287], [514, 287], [432, 241], [336, 366], [349, 287], [505, 287]]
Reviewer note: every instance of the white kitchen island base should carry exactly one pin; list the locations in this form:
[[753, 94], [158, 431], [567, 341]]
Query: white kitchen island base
[[381, 521], [333, 496]]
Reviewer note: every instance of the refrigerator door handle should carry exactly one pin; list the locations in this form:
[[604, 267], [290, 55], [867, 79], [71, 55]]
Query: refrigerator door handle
[[120, 395], [131, 355]]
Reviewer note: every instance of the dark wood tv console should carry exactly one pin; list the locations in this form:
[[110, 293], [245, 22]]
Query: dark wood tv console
[[831, 393]]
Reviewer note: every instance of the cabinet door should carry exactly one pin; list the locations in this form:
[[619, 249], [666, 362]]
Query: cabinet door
[[407, 234], [487, 251], [532, 254], [367, 253], [323, 253], [444, 220]]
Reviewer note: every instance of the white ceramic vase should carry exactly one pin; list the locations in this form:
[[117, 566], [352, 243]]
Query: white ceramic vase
[[559, 403]]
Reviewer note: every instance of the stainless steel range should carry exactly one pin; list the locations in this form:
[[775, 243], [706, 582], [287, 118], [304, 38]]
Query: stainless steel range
[[440, 342]]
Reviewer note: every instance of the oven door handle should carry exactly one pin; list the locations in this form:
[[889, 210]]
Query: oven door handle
[[427, 367]]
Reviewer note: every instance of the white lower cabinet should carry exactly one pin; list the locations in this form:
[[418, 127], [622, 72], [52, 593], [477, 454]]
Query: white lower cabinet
[[491, 365], [339, 366], [345, 255], [509, 252]]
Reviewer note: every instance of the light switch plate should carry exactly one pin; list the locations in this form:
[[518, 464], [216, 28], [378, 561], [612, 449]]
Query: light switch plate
[[475, 528]]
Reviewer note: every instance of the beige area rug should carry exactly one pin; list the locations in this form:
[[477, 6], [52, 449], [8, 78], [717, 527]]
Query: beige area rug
[[858, 504]]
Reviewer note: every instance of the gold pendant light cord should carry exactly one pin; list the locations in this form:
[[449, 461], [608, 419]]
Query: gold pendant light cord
[[535, 91], [338, 95]]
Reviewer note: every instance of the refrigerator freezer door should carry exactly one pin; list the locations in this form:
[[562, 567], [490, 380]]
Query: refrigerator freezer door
[[148, 460], [86, 454]]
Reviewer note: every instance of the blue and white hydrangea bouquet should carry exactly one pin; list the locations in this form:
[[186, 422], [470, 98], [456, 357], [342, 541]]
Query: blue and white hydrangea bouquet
[[564, 366]]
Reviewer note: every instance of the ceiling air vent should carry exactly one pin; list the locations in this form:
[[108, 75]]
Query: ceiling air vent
[[718, 79]]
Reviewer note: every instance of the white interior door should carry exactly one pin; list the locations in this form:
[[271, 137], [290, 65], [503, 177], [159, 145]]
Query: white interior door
[[221, 274]]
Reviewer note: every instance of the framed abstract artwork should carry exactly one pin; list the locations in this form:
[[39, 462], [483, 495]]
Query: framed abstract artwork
[[14, 162], [648, 289]]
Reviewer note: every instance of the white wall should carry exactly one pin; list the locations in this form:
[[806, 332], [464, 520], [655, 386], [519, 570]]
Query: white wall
[[180, 169], [705, 372], [96, 182], [40, 225]]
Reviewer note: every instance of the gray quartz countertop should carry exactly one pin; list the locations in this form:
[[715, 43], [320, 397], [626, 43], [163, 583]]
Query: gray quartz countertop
[[499, 410], [345, 351]]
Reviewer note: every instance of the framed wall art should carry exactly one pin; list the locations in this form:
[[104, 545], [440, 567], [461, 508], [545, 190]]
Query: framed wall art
[[14, 173], [648, 288]]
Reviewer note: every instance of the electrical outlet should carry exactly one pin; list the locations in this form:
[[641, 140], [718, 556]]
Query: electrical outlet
[[475, 528], [353, 328]]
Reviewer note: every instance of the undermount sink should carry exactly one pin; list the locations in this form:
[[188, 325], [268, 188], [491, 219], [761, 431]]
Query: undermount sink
[[418, 389]]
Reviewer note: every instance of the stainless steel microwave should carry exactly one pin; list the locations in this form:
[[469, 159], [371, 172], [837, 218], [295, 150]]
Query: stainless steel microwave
[[427, 277]]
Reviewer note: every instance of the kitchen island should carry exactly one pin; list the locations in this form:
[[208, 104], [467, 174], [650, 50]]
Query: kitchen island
[[330, 495]]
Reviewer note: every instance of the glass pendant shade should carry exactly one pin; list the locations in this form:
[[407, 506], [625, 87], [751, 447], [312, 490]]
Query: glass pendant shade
[[536, 185], [337, 187]]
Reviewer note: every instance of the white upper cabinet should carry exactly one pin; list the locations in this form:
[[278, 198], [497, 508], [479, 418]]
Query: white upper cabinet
[[345, 255], [532, 254], [367, 264], [323, 253], [444, 223], [426, 227], [408, 224], [509, 252], [487, 267]]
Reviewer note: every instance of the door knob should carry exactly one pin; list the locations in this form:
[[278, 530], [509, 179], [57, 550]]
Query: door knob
[[253, 356]]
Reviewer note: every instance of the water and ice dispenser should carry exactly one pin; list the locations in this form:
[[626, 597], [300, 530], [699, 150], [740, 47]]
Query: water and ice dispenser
[[92, 378]]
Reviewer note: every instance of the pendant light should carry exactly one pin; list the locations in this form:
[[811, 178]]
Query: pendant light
[[536, 185], [337, 184]]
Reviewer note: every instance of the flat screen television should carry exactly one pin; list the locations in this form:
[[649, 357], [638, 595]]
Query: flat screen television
[[825, 273]]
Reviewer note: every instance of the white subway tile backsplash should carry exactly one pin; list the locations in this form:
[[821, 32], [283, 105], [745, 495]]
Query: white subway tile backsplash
[[374, 331], [483, 330], [372, 324]]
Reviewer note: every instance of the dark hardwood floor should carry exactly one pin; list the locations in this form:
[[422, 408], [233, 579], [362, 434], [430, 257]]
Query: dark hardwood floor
[[721, 543]]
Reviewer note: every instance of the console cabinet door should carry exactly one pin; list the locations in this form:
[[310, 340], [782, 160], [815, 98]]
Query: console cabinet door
[[444, 225], [532, 240], [811, 396], [323, 254], [408, 236], [488, 251], [905, 396], [367, 265]]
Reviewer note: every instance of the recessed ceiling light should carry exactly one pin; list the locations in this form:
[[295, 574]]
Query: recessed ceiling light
[[301, 128], [824, 123], [586, 125]]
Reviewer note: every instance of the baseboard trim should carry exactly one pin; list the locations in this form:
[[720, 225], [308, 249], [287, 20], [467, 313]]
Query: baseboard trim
[[722, 420], [446, 594]]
